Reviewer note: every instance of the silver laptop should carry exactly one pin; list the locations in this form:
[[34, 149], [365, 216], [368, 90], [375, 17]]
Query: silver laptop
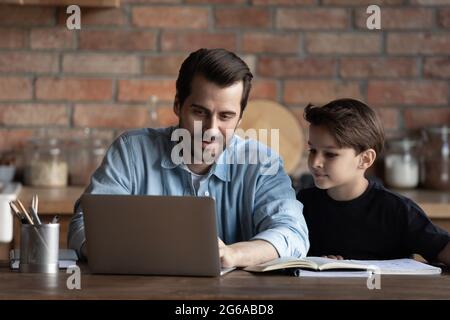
[[154, 235]]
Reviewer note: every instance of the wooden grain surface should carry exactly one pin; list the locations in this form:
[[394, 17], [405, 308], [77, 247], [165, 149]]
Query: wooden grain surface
[[235, 285]]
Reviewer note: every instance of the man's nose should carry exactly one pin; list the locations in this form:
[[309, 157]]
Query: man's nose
[[211, 124]]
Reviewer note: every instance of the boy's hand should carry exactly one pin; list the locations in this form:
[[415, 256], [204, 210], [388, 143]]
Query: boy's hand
[[337, 257]]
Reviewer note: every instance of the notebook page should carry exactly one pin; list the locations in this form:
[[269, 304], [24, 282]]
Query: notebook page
[[401, 266]]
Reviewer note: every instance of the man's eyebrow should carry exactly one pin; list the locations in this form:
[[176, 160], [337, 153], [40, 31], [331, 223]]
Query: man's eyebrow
[[200, 107], [209, 111], [229, 112]]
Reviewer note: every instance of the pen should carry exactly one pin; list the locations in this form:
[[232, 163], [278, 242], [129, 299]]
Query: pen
[[35, 215], [17, 213], [32, 202], [55, 219], [30, 221]]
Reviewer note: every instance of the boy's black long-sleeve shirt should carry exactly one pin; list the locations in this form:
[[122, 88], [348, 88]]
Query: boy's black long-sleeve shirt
[[379, 224]]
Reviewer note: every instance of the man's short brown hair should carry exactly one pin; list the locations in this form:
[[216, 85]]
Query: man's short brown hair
[[219, 66], [352, 123]]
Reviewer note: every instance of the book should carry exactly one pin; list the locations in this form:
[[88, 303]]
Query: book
[[319, 264], [331, 274], [67, 257]]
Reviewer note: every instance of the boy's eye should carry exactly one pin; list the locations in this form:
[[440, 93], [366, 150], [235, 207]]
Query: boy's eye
[[330, 155], [313, 151]]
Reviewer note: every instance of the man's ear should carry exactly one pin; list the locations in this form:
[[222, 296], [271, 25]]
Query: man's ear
[[176, 106], [367, 158]]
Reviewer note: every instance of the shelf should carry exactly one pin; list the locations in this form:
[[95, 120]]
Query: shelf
[[53, 200], [81, 3], [436, 204]]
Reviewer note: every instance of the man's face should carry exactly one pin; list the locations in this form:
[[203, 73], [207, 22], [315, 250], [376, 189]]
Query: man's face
[[218, 109], [330, 165]]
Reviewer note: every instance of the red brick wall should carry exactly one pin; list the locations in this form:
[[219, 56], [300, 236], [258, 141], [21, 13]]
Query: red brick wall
[[300, 51]]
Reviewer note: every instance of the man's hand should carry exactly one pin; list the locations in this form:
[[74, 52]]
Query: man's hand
[[337, 257], [226, 255], [246, 253]]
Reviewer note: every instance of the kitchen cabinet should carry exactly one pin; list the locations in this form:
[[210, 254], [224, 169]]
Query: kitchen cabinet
[[61, 201], [436, 204]]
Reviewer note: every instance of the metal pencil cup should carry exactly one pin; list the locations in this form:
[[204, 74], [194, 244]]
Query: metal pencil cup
[[39, 248]]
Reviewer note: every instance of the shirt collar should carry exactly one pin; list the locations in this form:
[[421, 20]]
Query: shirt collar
[[166, 161]]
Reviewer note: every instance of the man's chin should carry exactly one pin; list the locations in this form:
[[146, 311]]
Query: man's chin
[[207, 154], [212, 148]]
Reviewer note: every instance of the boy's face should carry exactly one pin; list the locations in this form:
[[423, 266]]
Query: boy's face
[[330, 165]]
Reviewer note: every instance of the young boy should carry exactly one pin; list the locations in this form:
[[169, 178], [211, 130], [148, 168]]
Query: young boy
[[349, 216]]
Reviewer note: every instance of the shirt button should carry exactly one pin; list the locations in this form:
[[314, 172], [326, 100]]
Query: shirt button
[[206, 193]]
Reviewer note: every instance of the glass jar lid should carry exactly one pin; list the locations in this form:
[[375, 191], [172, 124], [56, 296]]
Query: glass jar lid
[[402, 144], [437, 133]]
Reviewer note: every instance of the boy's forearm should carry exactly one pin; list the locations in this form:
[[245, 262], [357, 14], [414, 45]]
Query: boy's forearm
[[444, 255]]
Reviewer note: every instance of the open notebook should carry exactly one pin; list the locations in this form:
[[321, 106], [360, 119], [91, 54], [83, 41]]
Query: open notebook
[[318, 265]]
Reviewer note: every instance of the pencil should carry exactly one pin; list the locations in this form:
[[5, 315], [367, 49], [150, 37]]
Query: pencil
[[36, 203], [25, 212], [31, 222]]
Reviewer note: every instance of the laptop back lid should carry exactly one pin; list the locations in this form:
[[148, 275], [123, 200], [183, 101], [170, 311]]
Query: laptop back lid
[[157, 235]]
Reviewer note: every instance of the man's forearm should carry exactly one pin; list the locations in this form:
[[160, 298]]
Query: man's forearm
[[253, 252], [76, 237]]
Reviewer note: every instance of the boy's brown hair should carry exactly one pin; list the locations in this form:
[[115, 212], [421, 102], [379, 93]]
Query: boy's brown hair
[[352, 123]]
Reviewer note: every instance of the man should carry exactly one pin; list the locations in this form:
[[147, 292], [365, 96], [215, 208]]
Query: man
[[258, 217]]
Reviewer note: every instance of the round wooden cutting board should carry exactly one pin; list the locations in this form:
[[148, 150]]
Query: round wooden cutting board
[[267, 114]]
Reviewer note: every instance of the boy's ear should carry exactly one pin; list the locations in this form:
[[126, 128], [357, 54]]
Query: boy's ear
[[367, 159], [176, 106]]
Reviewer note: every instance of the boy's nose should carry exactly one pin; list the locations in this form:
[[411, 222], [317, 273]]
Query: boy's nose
[[317, 162]]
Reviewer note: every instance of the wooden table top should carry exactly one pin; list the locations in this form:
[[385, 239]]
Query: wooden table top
[[53, 200], [61, 200], [235, 285], [435, 203]]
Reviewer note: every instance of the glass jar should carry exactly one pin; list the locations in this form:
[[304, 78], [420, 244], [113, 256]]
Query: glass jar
[[85, 157], [436, 162], [45, 163], [402, 163]]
